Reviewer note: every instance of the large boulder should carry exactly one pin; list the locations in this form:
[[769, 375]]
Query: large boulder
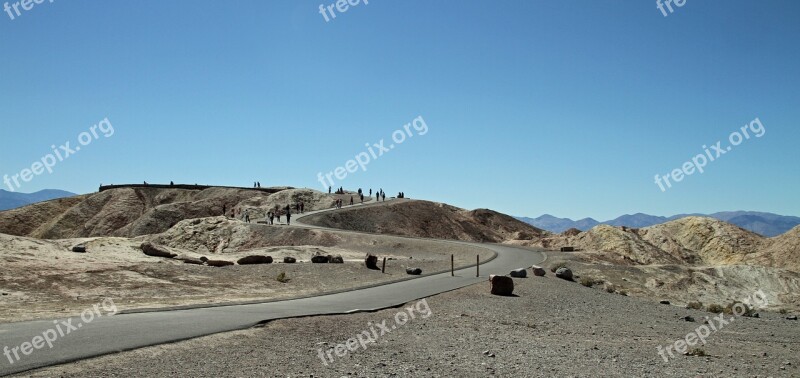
[[320, 259], [289, 260], [538, 271], [414, 271], [501, 285], [564, 274], [151, 249], [338, 259], [371, 261], [519, 273], [253, 260], [219, 263]]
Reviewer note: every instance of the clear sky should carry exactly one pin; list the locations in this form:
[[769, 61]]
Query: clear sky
[[562, 107]]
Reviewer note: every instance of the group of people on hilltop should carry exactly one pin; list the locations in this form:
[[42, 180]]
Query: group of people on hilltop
[[338, 191], [256, 184], [401, 195]]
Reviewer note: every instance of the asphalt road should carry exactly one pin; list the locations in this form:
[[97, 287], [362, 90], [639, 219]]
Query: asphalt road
[[126, 331]]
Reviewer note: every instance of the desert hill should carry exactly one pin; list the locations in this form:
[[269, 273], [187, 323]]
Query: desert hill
[[695, 241], [430, 220], [130, 212]]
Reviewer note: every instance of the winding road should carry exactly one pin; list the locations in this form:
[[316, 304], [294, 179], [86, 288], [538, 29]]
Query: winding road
[[127, 331]]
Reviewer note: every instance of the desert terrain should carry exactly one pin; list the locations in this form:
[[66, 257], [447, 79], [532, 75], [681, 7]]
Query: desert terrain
[[608, 316]]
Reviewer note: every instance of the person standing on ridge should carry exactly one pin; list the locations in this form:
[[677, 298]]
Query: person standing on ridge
[[288, 215]]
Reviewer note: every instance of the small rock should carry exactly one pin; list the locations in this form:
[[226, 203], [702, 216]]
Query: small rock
[[289, 260], [688, 318], [219, 263], [253, 260], [338, 259], [538, 271], [80, 248], [664, 302], [414, 271], [371, 261], [519, 273], [190, 260], [793, 317], [319, 259], [151, 249], [203, 259], [564, 274]]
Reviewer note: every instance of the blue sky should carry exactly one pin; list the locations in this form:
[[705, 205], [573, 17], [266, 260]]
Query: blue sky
[[562, 107]]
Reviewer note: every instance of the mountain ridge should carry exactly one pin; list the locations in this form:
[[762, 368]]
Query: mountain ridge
[[762, 223]]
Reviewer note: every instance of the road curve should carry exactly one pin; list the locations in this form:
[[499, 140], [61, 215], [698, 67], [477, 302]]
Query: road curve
[[127, 331]]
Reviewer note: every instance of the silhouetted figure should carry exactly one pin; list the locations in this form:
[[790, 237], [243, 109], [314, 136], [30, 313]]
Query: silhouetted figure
[[362, 198], [359, 191], [351, 200], [171, 183], [288, 215], [224, 208], [247, 216], [145, 183], [384, 196], [370, 192], [329, 189], [302, 207]]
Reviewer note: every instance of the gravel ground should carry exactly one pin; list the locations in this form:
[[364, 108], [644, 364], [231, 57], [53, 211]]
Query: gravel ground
[[552, 328]]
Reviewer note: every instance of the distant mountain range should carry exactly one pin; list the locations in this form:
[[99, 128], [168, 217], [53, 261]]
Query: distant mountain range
[[766, 224], [13, 200]]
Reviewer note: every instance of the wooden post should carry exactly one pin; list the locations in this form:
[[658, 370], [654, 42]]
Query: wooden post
[[383, 269], [478, 267], [452, 266]]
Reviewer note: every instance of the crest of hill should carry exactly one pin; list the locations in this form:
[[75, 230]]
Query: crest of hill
[[124, 212], [430, 220]]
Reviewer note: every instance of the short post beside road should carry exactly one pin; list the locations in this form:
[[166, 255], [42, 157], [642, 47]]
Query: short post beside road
[[452, 266], [383, 268], [478, 267]]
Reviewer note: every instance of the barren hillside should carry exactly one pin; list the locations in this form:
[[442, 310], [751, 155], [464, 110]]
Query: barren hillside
[[713, 242], [130, 212], [431, 220]]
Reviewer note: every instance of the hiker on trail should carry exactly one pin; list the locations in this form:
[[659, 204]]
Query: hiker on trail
[[362, 198], [359, 191], [171, 183], [302, 207], [233, 214], [288, 214], [383, 195], [351, 200], [370, 192], [247, 216], [270, 217], [329, 190], [224, 208]]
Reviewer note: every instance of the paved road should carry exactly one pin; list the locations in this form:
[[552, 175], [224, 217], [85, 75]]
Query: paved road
[[110, 334]]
